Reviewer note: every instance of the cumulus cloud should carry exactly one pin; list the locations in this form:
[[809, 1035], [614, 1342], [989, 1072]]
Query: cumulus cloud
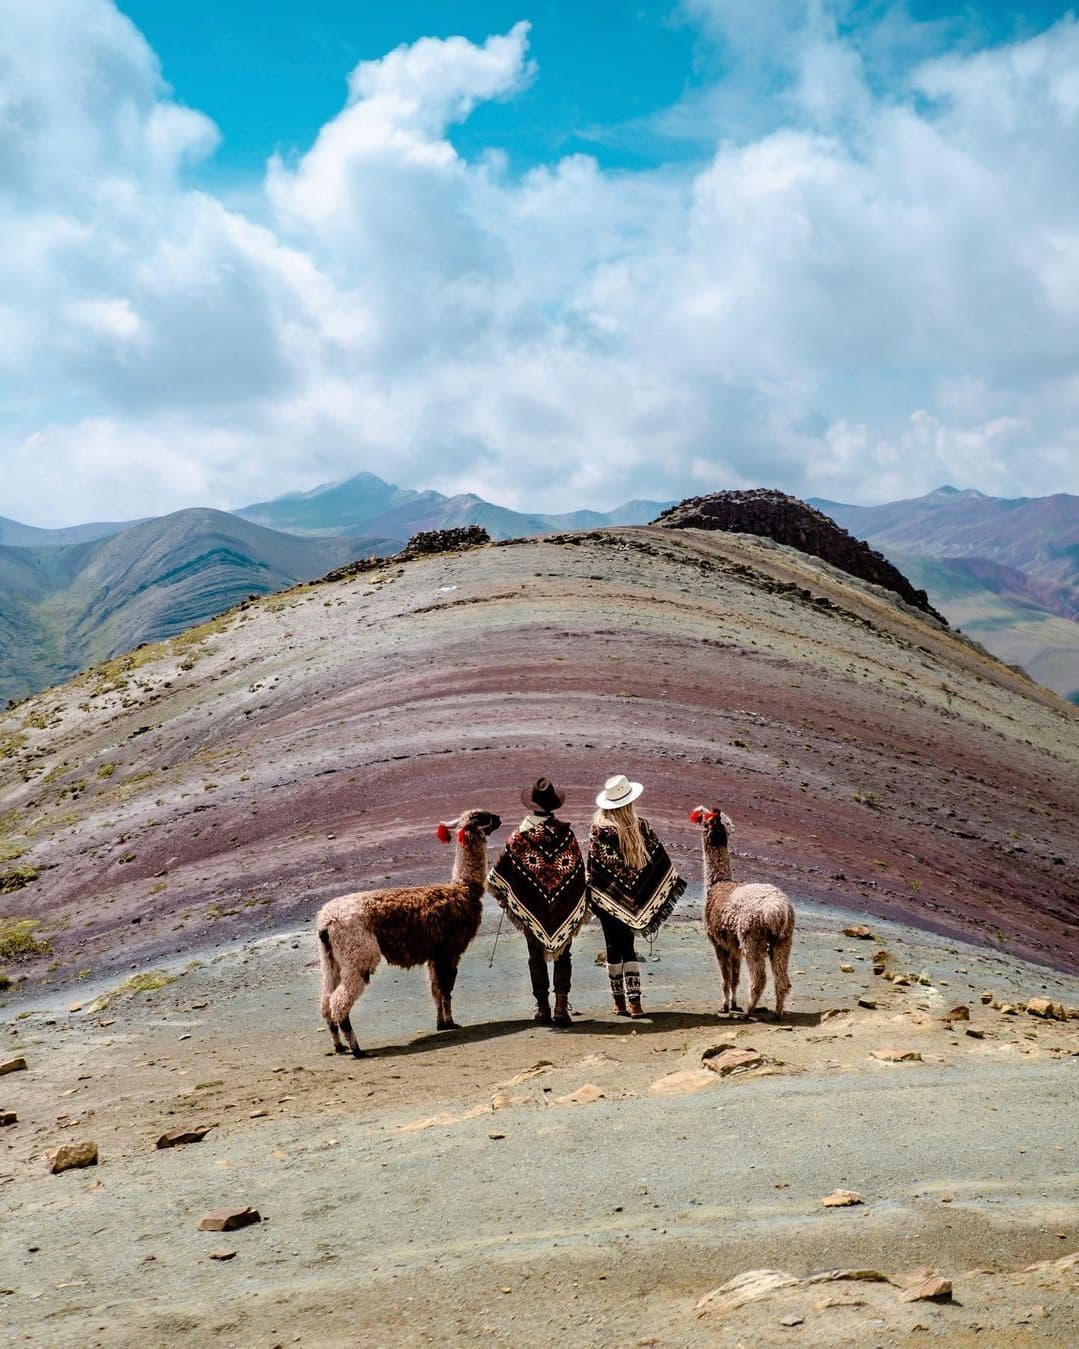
[[864, 287]]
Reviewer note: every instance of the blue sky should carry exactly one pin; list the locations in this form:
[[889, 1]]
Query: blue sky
[[271, 72], [560, 254]]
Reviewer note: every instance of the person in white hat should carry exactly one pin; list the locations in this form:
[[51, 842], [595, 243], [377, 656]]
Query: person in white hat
[[632, 885]]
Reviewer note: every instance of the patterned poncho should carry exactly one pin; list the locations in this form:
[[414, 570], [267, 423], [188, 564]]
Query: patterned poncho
[[539, 880], [643, 899]]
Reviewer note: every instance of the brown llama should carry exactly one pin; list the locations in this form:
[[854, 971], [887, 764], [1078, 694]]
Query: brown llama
[[430, 924], [754, 919]]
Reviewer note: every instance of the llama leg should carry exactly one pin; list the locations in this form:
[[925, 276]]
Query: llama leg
[[443, 975], [734, 955], [331, 977], [353, 982], [723, 961], [756, 954], [780, 955]]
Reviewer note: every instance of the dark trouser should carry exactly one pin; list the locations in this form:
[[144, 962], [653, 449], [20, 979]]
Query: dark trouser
[[622, 966], [537, 968]]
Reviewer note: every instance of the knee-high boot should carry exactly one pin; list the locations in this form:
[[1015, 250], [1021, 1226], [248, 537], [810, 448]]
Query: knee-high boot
[[618, 987], [632, 975]]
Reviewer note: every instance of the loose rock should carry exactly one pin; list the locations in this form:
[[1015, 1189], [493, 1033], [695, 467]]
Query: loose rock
[[8, 1117], [68, 1156], [228, 1219], [13, 1066], [871, 1003], [734, 1061], [222, 1255], [841, 1199], [897, 1055], [858, 930], [176, 1137], [932, 1290], [1045, 1007], [680, 1083], [959, 1013], [584, 1095]]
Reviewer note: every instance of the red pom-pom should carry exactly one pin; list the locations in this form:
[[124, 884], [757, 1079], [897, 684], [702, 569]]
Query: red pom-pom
[[442, 833], [695, 816], [460, 836], [710, 816]]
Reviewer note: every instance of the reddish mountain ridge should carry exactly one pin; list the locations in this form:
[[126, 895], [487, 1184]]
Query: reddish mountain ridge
[[305, 744]]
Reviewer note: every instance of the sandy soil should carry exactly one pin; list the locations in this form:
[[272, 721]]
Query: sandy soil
[[308, 743], [444, 1189]]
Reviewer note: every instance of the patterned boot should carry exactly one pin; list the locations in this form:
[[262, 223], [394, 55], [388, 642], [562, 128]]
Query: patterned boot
[[618, 988], [633, 988]]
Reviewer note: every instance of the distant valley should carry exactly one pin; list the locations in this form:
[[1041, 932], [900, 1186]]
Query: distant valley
[[1005, 572]]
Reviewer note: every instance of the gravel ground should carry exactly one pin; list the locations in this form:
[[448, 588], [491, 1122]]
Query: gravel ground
[[393, 1214]]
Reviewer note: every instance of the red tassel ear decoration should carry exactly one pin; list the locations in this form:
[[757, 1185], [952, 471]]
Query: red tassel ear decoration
[[460, 836], [695, 816], [710, 817], [442, 833]]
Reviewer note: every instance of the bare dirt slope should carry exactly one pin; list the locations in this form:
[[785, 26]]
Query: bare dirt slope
[[229, 780], [514, 1185]]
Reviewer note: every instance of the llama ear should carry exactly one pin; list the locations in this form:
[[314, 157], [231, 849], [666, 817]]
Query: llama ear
[[442, 833], [696, 816], [727, 822]]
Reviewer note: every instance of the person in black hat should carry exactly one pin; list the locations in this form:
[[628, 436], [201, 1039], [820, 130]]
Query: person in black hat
[[539, 881]]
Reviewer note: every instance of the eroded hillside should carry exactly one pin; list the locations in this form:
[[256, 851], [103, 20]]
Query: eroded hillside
[[306, 744]]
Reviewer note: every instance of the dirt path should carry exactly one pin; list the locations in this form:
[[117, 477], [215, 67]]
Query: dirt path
[[391, 1215]]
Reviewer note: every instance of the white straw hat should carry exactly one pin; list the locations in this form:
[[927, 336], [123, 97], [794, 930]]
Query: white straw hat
[[618, 791]]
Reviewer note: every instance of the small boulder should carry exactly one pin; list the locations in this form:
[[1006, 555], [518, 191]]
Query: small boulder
[[1045, 1007], [846, 969], [959, 1013], [975, 1033], [177, 1137], [870, 1003], [228, 1219], [13, 1066], [584, 1095], [988, 997], [858, 930], [841, 1199], [8, 1117], [683, 1082], [68, 1156], [222, 1255], [931, 1290], [733, 1061]]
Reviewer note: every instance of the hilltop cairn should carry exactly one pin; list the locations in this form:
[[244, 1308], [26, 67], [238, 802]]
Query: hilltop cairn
[[786, 519]]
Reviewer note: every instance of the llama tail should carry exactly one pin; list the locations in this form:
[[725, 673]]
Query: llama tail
[[331, 970]]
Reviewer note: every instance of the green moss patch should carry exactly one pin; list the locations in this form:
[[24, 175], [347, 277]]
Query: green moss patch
[[16, 878], [18, 939], [146, 981]]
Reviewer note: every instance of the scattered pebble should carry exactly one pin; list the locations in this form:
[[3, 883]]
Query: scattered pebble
[[13, 1066], [222, 1255]]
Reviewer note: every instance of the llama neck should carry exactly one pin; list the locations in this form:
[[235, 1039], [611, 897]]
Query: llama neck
[[470, 864], [717, 861]]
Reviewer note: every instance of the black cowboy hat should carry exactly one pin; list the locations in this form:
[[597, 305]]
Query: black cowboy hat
[[542, 795]]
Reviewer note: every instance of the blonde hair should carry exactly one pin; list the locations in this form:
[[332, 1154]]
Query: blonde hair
[[625, 823]]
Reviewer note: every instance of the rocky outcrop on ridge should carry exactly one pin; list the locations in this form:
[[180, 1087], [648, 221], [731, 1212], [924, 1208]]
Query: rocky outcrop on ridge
[[424, 544], [786, 519]]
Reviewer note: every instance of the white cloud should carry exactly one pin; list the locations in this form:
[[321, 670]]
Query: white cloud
[[858, 292]]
